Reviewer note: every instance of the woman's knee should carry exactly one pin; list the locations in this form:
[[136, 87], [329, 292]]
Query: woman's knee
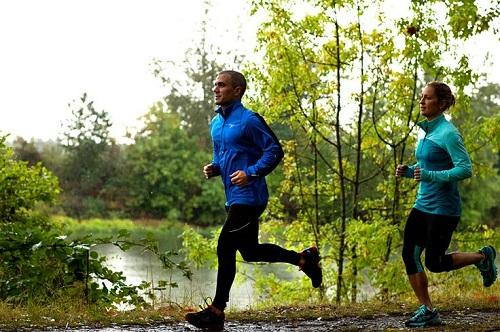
[[411, 259], [437, 264]]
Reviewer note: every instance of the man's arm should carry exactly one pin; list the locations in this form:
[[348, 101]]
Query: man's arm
[[213, 169], [272, 153]]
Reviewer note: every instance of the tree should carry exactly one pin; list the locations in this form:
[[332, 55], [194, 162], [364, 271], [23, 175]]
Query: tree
[[164, 165], [86, 142], [349, 91], [40, 263], [189, 93], [27, 151]]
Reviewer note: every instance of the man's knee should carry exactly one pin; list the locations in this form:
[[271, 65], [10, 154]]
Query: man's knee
[[249, 254], [224, 247]]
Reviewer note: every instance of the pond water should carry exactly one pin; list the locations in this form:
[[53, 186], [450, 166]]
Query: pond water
[[138, 266]]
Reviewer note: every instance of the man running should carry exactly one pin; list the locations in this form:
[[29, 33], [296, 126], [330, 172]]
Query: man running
[[245, 150]]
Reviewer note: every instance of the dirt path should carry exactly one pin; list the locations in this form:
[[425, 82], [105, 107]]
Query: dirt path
[[454, 321]]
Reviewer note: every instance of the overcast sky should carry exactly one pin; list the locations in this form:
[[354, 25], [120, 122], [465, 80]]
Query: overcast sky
[[51, 51], [54, 50]]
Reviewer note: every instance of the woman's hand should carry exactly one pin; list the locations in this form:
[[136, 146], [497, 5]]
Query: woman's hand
[[400, 170], [416, 174]]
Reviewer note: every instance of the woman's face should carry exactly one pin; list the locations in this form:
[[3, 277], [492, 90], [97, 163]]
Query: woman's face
[[430, 106]]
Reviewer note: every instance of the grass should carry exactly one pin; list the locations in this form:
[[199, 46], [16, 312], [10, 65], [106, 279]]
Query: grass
[[76, 313], [372, 308]]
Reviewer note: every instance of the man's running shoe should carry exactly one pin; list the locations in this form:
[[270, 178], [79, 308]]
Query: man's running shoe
[[424, 317], [311, 266], [487, 265], [209, 318]]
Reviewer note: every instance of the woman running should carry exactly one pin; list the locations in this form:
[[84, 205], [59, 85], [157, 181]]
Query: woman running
[[442, 161]]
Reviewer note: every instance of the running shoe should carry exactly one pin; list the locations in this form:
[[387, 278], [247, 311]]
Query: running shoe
[[424, 317], [209, 318], [311, 266], [487, 265]]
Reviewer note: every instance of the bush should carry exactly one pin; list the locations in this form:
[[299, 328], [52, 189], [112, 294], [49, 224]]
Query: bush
[[39, 262]]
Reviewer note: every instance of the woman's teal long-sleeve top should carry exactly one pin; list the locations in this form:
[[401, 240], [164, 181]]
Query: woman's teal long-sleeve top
[[443, 160], [243, 141]]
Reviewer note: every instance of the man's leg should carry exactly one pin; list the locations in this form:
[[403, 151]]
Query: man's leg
[[213, 317], [253, 251], [248, 240], [236, 220]]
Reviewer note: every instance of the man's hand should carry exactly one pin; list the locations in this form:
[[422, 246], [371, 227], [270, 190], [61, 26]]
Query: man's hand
[[239, 178], [210, 171], [400, 170]]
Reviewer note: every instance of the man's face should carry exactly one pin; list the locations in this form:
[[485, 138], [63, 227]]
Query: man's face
[[225, 92]]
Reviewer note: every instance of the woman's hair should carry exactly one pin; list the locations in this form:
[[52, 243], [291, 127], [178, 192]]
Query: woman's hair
[[443, 93]]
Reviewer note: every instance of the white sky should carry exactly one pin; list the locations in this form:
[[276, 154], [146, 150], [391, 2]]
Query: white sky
[[52, 51]]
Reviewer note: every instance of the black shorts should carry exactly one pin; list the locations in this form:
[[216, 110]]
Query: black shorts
[[431, 232]]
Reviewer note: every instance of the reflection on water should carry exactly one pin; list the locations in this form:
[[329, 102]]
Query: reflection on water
[[138, 266]]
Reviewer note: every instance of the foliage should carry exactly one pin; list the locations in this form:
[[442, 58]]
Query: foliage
[[21, 186], [189, 84], [164, 165], [27, 151], [86, 142], [379, 279], [39, 262], [348, 92], [200, 249]]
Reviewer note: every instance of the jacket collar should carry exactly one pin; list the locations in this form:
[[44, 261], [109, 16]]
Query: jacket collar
[[428, 126], [230, 109]]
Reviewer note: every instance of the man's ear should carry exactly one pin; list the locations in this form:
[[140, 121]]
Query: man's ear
[[238, 90]]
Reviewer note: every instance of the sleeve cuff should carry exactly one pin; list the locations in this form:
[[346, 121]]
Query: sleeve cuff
[[425, 175], [251, 171]]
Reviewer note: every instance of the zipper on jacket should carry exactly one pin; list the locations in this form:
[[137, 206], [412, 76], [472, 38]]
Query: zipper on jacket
[[426, 130]]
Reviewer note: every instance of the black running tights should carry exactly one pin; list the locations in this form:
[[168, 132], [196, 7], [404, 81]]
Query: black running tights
[[241, 232]]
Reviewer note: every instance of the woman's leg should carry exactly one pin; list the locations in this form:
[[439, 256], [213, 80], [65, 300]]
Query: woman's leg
[[418, 282], [461, 259], [439, 231], [413, 244]]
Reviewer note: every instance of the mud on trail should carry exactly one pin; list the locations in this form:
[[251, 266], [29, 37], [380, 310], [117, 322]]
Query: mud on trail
[[467, 320]]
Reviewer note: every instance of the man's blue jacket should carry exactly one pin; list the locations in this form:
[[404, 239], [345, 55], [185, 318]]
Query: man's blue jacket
[[243, 141]]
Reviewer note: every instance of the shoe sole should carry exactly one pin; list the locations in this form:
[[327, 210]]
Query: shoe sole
[[218, 327], [315, 258], [433, 322], [315, 261], [207, 327], [491, 262]]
